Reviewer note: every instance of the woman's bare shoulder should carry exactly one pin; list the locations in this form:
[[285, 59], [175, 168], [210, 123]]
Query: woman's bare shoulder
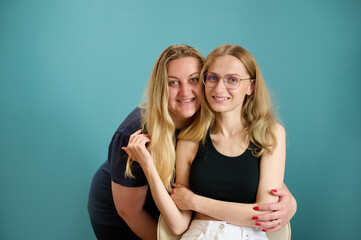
[[187, 149]]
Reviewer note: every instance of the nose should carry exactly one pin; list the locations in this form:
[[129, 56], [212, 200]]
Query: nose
[[220, 85], [185, 89]]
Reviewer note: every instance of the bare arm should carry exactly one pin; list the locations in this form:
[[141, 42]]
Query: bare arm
[[129, 202], [177, 220], [271, 177]]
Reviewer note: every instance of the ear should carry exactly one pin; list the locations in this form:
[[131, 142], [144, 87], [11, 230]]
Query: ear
[[250, 89]]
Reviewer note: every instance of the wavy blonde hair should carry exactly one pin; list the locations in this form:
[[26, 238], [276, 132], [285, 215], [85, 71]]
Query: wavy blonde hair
[[156, 120], [257, 114]]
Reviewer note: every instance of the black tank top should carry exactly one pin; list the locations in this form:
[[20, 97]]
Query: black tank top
[[233, 179]]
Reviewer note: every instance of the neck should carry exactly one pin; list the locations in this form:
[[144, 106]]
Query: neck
[[181, 123], [228, 124]]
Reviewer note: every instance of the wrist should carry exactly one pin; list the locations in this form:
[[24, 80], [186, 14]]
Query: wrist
[[193, 202], [147, 166]]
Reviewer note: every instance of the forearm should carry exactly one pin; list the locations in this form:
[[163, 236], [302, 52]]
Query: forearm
[[293, 202], [235, 213], [176, 219], [143, 225]]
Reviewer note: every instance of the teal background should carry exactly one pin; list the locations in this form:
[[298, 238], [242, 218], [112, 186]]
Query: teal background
[[71, 70]]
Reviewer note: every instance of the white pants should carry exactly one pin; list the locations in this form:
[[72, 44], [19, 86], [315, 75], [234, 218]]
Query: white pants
[[220, 230]]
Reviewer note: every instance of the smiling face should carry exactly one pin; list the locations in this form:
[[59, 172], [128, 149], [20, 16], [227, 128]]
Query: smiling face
[[184, 90], [219, 97]]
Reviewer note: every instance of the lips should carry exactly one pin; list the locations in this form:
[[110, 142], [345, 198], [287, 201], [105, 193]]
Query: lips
[[188, 100], [220, 99]]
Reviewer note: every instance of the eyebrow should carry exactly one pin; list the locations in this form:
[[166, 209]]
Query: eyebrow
[[226, 74], [188, 76]]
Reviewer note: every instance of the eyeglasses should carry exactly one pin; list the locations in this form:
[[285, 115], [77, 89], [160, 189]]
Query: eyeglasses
[[231, 81]]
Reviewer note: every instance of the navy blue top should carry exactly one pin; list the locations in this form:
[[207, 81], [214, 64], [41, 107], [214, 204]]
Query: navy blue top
[[101, 205], [232, 179]]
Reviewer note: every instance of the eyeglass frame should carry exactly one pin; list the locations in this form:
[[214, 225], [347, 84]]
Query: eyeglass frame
[[224, 80]]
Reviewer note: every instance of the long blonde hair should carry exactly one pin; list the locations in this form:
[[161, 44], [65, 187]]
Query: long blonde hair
[[257, 114], [156, 120]]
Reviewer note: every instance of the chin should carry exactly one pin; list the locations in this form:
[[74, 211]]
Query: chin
[[187, 113], [218, 109]]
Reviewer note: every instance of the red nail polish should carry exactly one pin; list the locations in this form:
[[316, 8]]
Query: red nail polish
[[256, 208], [274, 190], [264, 230], [255, 218], [258, 224]]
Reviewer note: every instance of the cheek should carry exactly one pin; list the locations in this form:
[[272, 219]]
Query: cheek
[[207, 95], [172, 94], [197, 91], [244, 89], [207, 92]]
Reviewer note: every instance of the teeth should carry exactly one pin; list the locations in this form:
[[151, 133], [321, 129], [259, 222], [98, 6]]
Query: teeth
[[185, 100], [220, 99]]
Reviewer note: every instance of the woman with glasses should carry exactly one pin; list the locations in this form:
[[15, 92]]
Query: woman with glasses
[[230, 159]]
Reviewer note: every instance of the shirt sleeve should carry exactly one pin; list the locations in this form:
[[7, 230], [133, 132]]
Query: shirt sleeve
[[118, 161]]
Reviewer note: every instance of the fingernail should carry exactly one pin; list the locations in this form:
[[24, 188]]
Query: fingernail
[[274, 190], [255, 218], [258, 224], [264, 230], [256, 208]]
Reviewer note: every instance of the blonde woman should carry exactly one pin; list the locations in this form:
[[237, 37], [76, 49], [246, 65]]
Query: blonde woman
[[231, 157], [120, 205]]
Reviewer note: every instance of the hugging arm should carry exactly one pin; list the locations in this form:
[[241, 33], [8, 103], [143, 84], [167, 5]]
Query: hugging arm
[[280, 213], [129, 202], [176, 219], [271, 177]]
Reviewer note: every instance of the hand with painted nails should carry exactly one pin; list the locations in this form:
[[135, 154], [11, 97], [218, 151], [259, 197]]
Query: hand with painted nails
[[137, 149], [281, 212]]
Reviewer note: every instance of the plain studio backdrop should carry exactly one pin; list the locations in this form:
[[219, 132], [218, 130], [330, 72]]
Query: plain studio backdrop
[[70, 72]]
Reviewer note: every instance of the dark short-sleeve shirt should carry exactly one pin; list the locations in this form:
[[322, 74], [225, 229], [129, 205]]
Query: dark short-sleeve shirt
[[117, 158], [101, 205]]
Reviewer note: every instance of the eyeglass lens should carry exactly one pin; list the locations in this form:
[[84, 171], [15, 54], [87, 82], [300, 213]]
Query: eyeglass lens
[[230, 81]]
